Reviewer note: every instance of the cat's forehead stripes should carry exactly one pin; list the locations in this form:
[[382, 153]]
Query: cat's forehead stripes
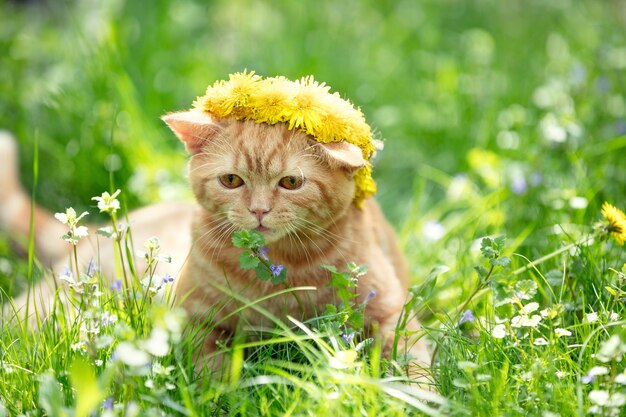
[[265, 152]]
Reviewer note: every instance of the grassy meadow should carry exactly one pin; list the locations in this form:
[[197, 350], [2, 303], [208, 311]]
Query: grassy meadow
[[500, 119]]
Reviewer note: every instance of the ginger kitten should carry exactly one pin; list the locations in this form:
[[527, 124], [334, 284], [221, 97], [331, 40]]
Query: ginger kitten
[[270, 177], [299, 194]]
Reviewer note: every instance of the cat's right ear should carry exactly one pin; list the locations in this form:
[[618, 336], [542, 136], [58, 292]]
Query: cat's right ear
[[193, 128]]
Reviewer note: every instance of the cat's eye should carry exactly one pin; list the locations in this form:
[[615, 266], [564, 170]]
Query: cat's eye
[[231, 181], [291, 182]]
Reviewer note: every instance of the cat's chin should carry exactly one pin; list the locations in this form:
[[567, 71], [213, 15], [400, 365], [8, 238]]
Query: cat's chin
[[270, 235]]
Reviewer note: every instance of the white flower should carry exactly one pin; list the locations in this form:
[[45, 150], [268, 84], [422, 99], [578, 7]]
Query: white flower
[[149, 384], [620, 379], [591, 317], [540, 341], [81, 231], [525, 321], [159, 369], [108, 203], [157, 344], [598, 370], [130, 355], [599, 397], [98, 362], [610, 349], [153, 244], [603, 398], [562, 332], [578, 202], [499, 331], [467, 366], [561, 374], [69, 217], [613, 316], [529, 308], [77, 346], [433, 231], [617, 399]]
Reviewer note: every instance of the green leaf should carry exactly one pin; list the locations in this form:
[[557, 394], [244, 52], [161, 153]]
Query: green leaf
[[247, 260], [340, 280], [502, 261], [105, 231], [356, 320], [263, 273], [330, 268], [257, 240], [248, 239], [330, 310], [241, 239], [482, 271], [88, 393]]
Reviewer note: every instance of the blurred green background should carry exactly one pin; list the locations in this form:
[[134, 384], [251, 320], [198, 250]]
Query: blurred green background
[[500, 117]]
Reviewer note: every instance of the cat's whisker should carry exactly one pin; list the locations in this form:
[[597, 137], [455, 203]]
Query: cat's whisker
[[221, 239], [205, 239], [291, 231], [333, 244], [307, 255], [325, 232]]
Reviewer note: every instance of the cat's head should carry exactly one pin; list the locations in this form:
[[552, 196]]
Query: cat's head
[[269, 178]]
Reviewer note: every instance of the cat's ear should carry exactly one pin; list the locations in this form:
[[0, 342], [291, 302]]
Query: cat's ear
[[344, 155], [193, 128]]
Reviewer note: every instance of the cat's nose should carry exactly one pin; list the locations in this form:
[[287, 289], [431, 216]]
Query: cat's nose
[[259, 213]]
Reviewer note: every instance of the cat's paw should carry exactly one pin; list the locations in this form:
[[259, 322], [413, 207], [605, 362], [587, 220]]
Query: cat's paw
[[9, 176]]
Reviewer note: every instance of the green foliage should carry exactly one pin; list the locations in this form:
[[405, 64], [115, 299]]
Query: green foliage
[[255, 257]]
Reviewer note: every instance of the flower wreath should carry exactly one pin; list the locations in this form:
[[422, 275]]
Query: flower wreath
[[303, 104]]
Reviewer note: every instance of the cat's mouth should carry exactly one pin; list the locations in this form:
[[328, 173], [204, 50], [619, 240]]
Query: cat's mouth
[[262, 229]]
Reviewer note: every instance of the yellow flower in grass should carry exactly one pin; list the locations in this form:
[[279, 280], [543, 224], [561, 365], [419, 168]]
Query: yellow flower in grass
[[303, 104], [616, 222]]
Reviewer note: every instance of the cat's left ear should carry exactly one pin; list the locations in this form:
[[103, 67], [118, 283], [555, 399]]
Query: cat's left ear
[[344, 155], [193, 128]]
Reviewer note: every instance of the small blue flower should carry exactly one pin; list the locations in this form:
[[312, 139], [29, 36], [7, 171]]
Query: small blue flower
[[263, 253], [116, 285], [168, 278], [587, 379], [519, 185], [108, 318], [92, 268], [108, 404], [369, 296], [348, 337], [276, 269], [66, 274], [467, 316]]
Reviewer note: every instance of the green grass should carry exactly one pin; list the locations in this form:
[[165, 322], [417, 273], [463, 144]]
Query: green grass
[[500, 118]]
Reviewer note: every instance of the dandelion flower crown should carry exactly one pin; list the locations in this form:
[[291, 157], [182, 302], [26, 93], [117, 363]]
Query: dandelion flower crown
[[303, 104]]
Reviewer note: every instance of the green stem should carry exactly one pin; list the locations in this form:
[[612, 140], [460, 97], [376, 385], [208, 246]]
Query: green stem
[[551, 255], [118, 245], [481, 284]]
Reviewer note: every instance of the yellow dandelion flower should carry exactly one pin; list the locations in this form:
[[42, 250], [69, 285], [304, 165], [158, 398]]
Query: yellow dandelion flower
[[306, 107], [303, 104], [616, 222], [270, 101]]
